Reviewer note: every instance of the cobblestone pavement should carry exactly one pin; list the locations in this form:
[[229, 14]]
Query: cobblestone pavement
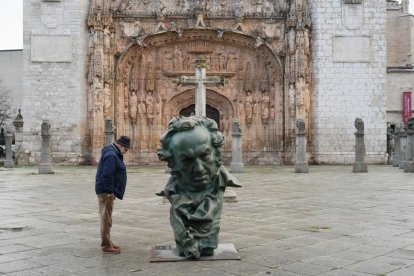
[[328, 222]]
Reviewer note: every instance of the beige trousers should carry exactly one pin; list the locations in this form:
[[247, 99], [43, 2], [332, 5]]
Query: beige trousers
[[106, 205]]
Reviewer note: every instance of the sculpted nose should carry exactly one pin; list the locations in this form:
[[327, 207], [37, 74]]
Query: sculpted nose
[[197, 167]]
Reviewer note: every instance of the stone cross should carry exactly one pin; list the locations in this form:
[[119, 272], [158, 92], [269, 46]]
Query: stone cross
[[201, 81], [359, 165], [45, 165], [301, 165]]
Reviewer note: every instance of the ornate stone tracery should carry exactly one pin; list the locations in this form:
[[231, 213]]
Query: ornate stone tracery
[[139, 48]]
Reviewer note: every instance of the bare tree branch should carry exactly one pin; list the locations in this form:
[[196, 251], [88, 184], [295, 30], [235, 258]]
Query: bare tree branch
[[5, 104]]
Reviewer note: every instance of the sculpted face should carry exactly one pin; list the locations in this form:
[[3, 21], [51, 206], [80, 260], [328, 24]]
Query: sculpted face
[[194, 158]]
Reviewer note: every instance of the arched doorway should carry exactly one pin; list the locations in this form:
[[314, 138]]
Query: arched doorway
[[211, 112]]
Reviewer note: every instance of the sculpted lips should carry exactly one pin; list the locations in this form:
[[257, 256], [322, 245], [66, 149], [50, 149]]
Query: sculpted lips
[[200, 178]]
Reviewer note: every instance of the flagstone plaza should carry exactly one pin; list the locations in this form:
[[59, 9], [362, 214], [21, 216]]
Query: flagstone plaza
[[328, 222]]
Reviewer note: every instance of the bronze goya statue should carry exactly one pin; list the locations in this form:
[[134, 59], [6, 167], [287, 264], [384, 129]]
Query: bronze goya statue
[[191, 147]]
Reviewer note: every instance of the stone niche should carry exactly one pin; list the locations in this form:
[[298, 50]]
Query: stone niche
[[139, 49]]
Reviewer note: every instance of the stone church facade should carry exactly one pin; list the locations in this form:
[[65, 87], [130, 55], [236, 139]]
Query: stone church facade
[[321, 61]]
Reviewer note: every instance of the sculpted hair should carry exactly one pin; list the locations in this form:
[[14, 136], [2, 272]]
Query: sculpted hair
[[181, 124]]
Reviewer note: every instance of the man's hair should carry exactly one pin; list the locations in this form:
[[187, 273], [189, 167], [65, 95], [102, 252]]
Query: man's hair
[[182, 124]]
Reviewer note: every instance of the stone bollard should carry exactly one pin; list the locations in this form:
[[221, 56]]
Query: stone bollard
[[109, 131], [359, 165], [403, 149], [18, 134], [45, 165], [396, 159], [236, 148], [8, 163], [301, 165], [409, 168]]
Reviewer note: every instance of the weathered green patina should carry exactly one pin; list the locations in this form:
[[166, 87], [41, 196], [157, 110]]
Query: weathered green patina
[[191, 147]]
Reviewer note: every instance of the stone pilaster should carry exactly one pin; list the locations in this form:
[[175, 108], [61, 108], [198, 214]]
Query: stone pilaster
[[403, 149]]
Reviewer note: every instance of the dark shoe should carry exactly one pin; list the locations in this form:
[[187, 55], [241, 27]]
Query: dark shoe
[[111, 250]]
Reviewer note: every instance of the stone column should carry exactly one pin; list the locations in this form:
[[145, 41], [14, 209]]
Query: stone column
[[359, 165], [109, 131], [403, 149], [18, 134], [8, 136], [45, 165], [301, 165], [236, 148], [410, 146], [396, 159]]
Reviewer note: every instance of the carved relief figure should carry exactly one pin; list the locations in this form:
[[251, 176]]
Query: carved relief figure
[[248, 107], [142, 110], [106, 99], [149, 100], [107, 39], [291, 98], [265, 106], [222, 57], [232, 61], [168, 61], [150, 86], [178, 59], [248, 84], [133, 106], [301, 98]]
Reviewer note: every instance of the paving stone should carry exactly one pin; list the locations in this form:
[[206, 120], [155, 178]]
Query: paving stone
[[327, 222]]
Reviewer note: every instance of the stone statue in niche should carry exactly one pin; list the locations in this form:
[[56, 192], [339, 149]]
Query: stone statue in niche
[[168, 61], [255, 106], [248, 107], [149, 100], [265, 106], [133, 101], [191, 146], [150, 86], [126, 106], [291, 97], [272, 112], [142, 110]]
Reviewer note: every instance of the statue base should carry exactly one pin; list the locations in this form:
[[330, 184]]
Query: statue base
[[301, 168], [360, 167], [45, 169], [236, 168], [224, 251], [8, 163], [409, 168]]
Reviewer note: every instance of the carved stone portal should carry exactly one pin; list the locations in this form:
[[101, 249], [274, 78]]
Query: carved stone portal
[[138, 49]]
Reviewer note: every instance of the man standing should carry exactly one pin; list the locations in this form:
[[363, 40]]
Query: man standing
[[110, 183]]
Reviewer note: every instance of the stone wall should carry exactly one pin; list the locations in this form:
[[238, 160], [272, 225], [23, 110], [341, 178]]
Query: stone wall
[[54, 55], [349, 69]]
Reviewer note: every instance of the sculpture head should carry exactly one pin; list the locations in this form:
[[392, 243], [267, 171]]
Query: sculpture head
[[359, 125], [191, 147]]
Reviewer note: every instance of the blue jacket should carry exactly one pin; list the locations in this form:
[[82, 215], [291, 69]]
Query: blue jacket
[[111, 174]]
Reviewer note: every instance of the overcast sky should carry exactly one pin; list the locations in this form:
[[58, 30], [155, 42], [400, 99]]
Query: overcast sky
[[11, 23]]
